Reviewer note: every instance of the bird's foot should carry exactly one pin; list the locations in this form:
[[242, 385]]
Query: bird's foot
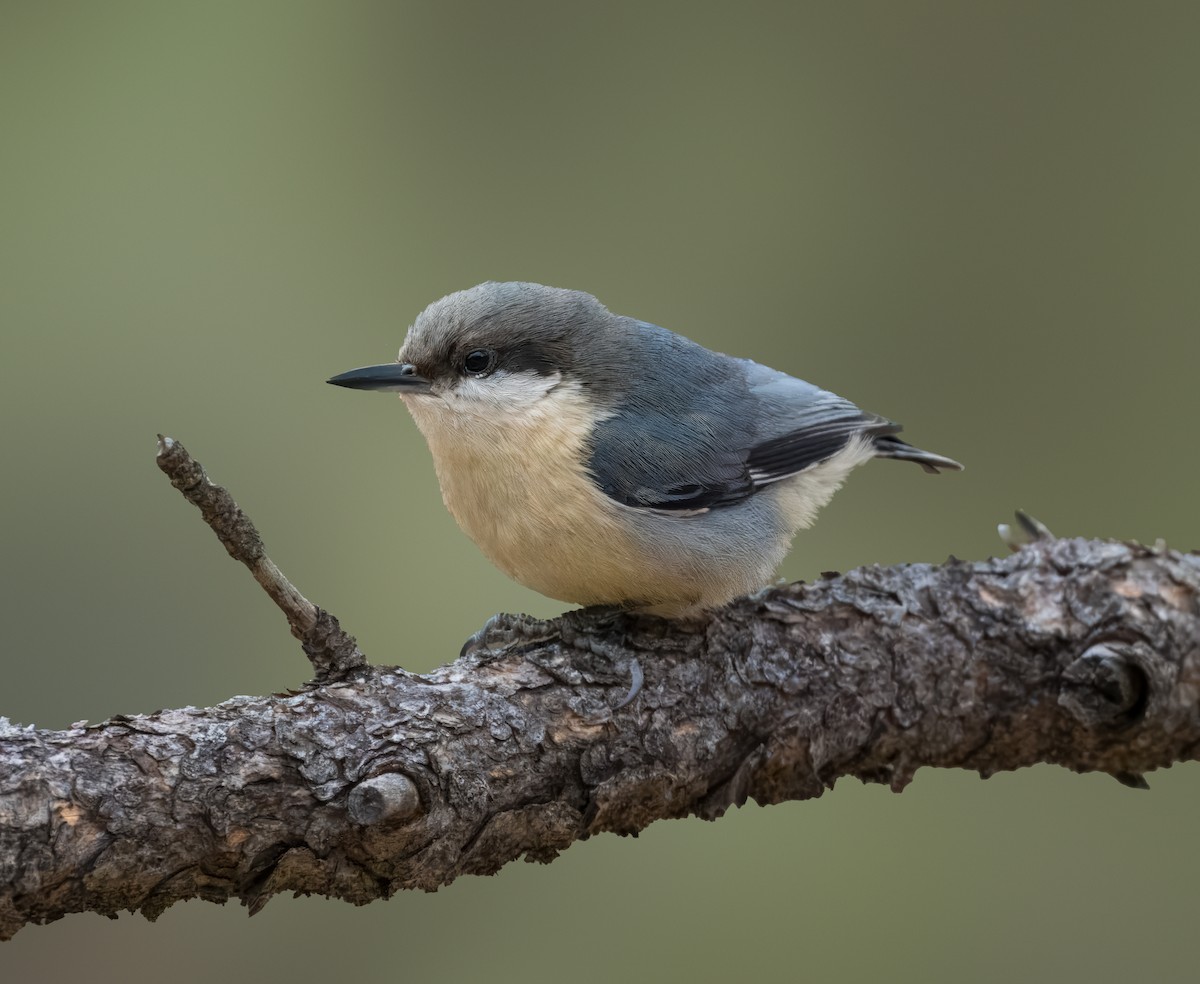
[[587, 632], [765, 592], [598, 631], [503, 630]]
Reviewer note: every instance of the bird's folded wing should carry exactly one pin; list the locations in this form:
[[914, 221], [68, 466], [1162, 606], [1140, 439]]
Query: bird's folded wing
[[700, 460]]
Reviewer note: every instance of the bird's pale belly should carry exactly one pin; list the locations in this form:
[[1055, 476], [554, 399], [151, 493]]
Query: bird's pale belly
[[553, 533], [516, 485]]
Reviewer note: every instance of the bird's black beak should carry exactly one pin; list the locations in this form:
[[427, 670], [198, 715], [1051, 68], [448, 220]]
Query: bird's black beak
[[395, 377]]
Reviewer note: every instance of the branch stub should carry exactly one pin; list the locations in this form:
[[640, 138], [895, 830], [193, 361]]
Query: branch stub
[[389, 798]]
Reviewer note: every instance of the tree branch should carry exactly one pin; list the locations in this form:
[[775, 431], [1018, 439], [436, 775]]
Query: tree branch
[[1080, 653]]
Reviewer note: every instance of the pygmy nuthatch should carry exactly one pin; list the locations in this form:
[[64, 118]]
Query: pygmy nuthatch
[[607, 461]]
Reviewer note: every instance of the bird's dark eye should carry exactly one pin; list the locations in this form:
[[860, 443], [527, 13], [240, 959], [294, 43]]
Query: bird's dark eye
[[479, 362]]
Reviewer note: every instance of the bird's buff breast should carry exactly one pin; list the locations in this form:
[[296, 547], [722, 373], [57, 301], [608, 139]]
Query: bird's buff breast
[[514, 480]]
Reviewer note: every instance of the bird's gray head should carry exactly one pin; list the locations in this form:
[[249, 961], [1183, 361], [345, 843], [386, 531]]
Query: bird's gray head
[[497, 347], [502, 329]]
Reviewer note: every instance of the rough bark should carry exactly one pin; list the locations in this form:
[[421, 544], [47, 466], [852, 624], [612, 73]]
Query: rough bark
[[1081, 653]]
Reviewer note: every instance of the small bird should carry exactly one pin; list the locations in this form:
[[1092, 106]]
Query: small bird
[[606, 461]]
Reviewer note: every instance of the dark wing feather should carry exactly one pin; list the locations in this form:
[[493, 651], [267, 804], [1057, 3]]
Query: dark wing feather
[[782, 457]]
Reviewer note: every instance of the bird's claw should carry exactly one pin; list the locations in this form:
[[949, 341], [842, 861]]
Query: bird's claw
[[635, 684]]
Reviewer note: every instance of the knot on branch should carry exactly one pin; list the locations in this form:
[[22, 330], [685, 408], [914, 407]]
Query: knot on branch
[[389, 798], [333, 652], [1107, 688]]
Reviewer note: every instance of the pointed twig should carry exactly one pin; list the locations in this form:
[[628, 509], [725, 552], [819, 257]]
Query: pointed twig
[[332, 652]]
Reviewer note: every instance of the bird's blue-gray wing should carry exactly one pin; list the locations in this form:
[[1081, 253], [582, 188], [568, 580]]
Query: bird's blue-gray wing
[[716, 431]]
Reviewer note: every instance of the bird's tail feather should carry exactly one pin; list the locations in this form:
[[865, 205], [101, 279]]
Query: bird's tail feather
[[890, 446]]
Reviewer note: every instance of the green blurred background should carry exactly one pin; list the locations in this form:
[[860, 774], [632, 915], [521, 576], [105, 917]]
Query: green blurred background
[[979, 219]]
